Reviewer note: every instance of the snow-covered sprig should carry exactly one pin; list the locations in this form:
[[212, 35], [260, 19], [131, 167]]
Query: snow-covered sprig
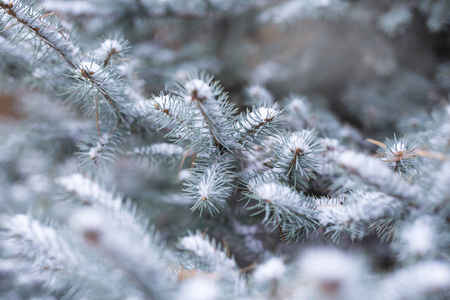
[[39, 243], [211, 110], [41, 28], [51, 253], [124, 213], [111, 225], [196, 118], [213, 259], [294, 155], [102, 85], [112, 49], [258, 123], [210, 185], [375, 174], [159, 152], [400, 155], [283, 208], [169, 112], [420, 238], [104, 149], [133, 255], [89, 192], [354, 214], [186, 129]]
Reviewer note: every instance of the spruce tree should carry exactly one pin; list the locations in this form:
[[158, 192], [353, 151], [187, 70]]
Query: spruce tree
[[225, 149]]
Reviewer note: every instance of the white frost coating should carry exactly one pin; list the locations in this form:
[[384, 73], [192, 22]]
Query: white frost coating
[[162, 101], [164, 104], [298, 141], [267, 177], [278, 194], [399, 147], [89, 191], [29, 235], [136, 254], [90, 66], [93, 151], [215, 258], [159, 149], [209, 186], [198, 288], [108, 45], [418, 237], [271, 270], [199, 89], [257, 118], [47, 31], [322, 265], [92, 193], [399, 151], [108, 48], [368, 206], [374, 172]]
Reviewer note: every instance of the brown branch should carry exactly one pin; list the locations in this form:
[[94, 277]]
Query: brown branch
[[216, 139], [110, 54], [88, 76], [36, 30]]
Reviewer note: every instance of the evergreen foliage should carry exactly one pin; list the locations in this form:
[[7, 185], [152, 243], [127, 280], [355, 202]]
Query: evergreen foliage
[[310, 179]]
